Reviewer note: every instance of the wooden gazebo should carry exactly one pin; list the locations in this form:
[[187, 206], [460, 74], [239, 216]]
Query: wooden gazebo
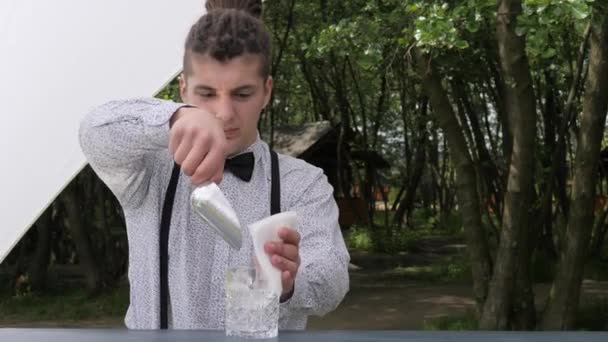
[[317, 143]]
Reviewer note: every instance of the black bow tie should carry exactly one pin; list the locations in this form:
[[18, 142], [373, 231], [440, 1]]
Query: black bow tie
[[241, 166]]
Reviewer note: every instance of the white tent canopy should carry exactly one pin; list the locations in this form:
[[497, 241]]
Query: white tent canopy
[[57, 60]]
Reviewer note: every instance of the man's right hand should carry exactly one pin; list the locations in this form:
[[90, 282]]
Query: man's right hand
[[198, 144]]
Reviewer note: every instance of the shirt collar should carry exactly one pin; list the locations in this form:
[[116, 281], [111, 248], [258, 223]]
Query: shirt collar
[[257, 147]]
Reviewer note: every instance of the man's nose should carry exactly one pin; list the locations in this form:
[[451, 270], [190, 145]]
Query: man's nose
[[225, 109]]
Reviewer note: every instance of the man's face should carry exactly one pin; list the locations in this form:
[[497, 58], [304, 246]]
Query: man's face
[[233, 91]]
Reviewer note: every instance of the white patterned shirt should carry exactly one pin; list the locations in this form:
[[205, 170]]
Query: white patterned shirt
[[126, 144]]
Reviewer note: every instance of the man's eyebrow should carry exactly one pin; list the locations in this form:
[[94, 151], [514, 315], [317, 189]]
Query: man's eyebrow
[[204, 87], [246, 87], [243, 88]]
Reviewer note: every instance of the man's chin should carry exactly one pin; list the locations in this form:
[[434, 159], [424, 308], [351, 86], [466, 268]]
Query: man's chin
[[237, 146], [234, 149]]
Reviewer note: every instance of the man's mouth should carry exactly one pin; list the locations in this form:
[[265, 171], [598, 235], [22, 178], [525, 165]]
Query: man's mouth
[[231, 132]]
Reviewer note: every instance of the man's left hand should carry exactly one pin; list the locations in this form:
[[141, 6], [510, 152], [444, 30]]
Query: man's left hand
[[285, 256]]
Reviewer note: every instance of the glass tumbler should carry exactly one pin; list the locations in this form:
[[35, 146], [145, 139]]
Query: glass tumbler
[[252, 311]]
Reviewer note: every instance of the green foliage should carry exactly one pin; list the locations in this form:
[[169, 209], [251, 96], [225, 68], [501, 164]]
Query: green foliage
[[347, 37], [467, 321], [436, 224], [358, 238], [539, 21], [597, 270], [74, 305], [441, 25], [543, 268], [454, 269], [171, 91], [381, 239], [592, 316], [394, 239]]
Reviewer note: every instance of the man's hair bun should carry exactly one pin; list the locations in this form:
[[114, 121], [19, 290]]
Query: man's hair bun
[[253, 7]]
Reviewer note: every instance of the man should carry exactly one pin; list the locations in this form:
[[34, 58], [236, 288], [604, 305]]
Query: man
[[132, 145]]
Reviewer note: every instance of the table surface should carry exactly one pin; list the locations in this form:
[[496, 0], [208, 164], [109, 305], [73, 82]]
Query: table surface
[[114, 335]]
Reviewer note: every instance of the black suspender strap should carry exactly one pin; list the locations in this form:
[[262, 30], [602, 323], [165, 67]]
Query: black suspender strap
[[275, 184], [275, 192], [165, 223]]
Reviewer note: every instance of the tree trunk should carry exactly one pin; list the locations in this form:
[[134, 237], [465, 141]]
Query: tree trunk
[[340, 161], [559, 156], [380, 107], [86, 257], [501, 108], [284, 41], [550, 118], [520, 104], [490, 184], [403, 96], [18, 281], [600, 228], [433, 167], [523, 310], [406, 207], [466, 128], [407, 203], [399, 194], [40, 262], [275, 67], [466, 179], [563, 302]]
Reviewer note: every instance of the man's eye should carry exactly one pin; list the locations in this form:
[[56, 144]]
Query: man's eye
[[206, 95], [243, 95]]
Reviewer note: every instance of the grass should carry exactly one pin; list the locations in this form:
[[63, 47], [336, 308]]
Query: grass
[[73, 305], [389, 240], [358, 238], [424, 219], [544, 269], [393, 239], [455, 269], [590, 317], [433, 224], [597, 270], [593, 316], [467, 321]]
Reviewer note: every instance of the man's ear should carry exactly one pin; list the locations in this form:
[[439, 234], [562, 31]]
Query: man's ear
[[182, 87], [267, 90]]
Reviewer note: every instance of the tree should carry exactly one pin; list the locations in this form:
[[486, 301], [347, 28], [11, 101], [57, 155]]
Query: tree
[[563, 303]]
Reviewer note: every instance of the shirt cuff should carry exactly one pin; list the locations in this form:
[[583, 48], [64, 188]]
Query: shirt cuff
[[156, 122], [286, 297], [299, 299]]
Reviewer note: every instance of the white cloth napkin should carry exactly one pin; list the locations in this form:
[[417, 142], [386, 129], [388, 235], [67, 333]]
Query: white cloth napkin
[[263, 231]]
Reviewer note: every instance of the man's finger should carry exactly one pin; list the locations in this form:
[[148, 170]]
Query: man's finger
[[194, 158], [284, 264], [174, 140], [217, 178], [290, 236], [287, 277], [185, 145], [209, 167], [286, 250], [288, 281]]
